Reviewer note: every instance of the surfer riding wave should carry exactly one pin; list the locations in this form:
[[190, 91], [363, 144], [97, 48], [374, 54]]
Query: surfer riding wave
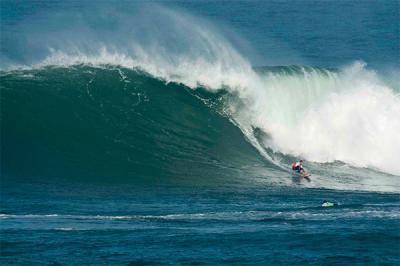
[[298, 167]]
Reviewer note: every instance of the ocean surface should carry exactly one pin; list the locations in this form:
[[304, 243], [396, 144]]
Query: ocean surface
[[162, 133]]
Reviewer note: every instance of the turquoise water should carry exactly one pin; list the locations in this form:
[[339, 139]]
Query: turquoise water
[[163, 133]]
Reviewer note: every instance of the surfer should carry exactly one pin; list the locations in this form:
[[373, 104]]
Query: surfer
[[298, 166]]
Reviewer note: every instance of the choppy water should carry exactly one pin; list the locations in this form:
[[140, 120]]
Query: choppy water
[[123, 224]]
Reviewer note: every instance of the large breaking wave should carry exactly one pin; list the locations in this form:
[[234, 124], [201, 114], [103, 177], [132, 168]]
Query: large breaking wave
[[324, 116]]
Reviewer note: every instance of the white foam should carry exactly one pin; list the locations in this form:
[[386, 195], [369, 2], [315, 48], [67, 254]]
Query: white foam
[[306, 214], [351, 116]]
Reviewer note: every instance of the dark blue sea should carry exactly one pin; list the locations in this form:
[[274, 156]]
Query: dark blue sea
[[163, 133]]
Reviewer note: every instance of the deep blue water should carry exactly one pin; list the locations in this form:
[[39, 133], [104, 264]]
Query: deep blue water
[[181, 226], [131, 156]]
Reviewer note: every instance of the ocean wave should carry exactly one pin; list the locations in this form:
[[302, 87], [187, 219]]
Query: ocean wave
[[129, 95], [143, 126], [321, 115]]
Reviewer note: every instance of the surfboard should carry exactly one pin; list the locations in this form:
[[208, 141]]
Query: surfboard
[[306, 176]]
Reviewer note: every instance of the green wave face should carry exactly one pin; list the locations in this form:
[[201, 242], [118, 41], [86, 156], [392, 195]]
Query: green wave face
[[116, 125]]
